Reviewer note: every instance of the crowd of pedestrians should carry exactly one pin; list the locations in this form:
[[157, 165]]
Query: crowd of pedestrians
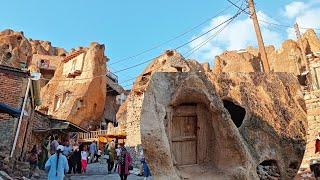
[[58, 158]]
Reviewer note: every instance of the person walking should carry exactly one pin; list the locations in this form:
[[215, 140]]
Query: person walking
[[317, 144], [112, 154], [124, 163], [93, 151], [57, 165], [43, 155], [77, 157], [53, 145], [146, 170], [118, 153], [67, 151], [84, 159], [106, 155], [315, 165], [33, 160]]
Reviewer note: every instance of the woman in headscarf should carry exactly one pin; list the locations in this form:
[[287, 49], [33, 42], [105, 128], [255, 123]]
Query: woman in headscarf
[[124, 163], [57, 165], [317, 145]]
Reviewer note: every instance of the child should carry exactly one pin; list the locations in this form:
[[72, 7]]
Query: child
[[84, 158]]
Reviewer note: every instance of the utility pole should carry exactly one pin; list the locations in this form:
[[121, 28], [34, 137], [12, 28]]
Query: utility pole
[[263, 54], [304, 56], [303, 50]]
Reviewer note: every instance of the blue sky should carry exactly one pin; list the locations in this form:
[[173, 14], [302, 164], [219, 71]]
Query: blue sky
[[129, 27]]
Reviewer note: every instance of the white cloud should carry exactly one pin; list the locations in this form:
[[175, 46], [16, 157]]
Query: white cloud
[[238, 35], [295, 8], [307, 16]]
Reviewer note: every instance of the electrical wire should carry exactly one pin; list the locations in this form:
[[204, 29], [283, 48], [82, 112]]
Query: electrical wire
[[136, 65], [184, 44], [200, 45], [174, 38], [127, 68]]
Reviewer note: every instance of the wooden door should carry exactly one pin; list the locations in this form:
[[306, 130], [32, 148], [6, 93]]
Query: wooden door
[[184, 139]]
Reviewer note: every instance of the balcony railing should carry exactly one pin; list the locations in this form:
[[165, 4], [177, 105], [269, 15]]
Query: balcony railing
[[92, 135], [112, 76]]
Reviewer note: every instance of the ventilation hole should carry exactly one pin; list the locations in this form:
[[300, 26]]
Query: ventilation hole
[[169, 53], [294, 165], [268, 169], [8, 55], [302, 80], [5, 46], [236, 112], [19, 38], [179, 69]]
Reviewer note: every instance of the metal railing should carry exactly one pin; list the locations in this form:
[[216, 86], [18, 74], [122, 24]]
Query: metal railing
[[112, 76]]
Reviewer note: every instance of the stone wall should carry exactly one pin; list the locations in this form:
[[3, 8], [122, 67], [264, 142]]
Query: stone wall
[[313, 110], [132, 125], [7, 134]]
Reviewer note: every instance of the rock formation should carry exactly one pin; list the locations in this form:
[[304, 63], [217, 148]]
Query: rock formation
[[77, 90], [45, 48], [286, 59], [223, 126], [15, 49]]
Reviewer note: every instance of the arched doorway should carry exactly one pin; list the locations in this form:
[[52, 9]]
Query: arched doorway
[[184, 135], [191, 134]]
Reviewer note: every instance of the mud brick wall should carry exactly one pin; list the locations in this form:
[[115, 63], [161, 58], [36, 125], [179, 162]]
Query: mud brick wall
[[13, 85]]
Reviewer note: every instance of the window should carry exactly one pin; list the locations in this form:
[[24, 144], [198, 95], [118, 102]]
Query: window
[[57, 103]]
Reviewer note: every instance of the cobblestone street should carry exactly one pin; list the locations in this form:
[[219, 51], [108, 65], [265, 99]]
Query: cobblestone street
[[98, 171]]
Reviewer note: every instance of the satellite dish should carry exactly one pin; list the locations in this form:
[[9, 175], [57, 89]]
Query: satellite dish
[[35, 76]]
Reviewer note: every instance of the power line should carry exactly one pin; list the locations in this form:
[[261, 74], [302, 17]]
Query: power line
[[136, 65], [130, 67], [272, 23], [200, 45], [174, 38], [237, 14], [240, 8], [184, 44]]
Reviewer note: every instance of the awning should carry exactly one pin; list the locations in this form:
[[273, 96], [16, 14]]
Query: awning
[[61, 125], [9, 110]]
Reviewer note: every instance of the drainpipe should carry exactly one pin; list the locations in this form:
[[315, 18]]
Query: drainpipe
[[20, 118]]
